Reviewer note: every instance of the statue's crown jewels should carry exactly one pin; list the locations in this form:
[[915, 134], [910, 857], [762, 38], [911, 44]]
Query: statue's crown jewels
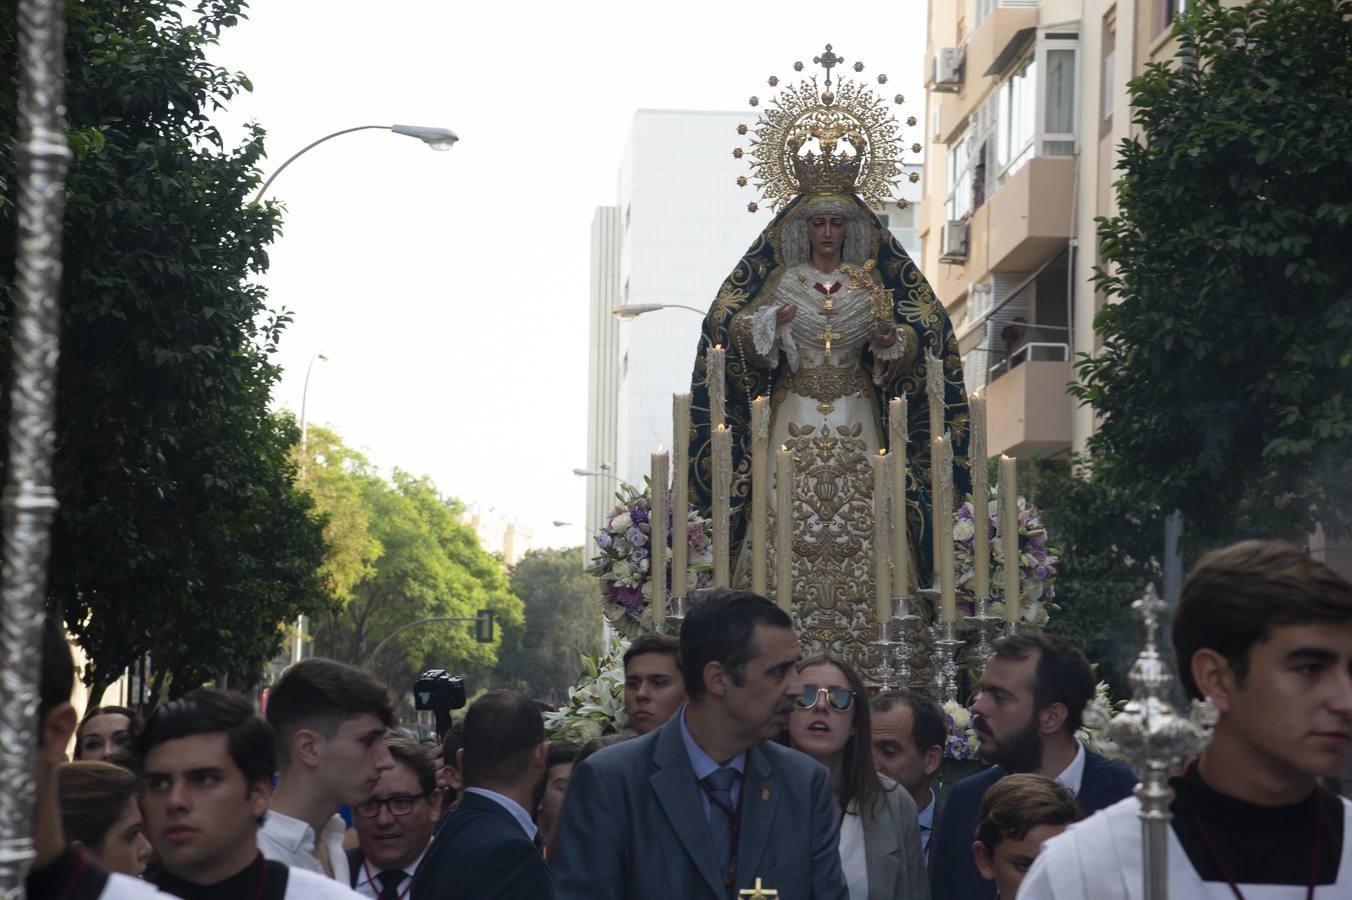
[[820, 137]]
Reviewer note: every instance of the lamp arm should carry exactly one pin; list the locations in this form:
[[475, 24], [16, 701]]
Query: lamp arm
[[273, 177]]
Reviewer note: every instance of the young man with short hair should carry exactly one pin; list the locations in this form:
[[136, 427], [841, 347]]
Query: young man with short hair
[[490, 848], [330, 721], [1033, 693], [1018, 814], [1265, 633], [394, 825], [558, 773], [656, 816], [653, 686], [908, 746], [208, 763]]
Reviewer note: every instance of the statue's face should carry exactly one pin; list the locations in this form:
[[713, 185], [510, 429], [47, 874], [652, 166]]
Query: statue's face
[[826, 234]]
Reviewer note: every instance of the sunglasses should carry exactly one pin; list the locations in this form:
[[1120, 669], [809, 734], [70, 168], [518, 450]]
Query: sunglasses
[[838, 698]]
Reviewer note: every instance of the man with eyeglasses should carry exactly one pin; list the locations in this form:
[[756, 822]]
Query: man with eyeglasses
[[394, 825]]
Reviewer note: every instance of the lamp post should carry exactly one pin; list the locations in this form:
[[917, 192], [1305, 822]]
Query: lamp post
[[304, 396], [603, 472], [634, 310], [436, 138]]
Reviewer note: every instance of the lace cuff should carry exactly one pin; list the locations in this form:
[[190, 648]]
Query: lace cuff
[[896, 351], [763, 330]]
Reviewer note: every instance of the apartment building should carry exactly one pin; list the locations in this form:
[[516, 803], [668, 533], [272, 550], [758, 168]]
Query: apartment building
[[1026, 104]]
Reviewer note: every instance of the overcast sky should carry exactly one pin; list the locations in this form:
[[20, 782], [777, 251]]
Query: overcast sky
[[450, 290]]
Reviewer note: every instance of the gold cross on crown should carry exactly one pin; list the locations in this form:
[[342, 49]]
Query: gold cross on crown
[[759, 893]]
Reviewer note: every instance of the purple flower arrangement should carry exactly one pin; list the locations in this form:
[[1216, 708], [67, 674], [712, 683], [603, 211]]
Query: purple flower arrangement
[[1036, 562]]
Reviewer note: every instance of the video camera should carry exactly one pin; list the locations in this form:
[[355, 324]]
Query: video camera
[[441, 692]]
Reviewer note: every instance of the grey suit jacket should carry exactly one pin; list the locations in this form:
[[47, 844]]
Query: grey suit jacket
[[896, 865], [633, 826]]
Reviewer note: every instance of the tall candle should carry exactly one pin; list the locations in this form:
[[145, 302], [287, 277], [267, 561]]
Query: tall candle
[[1009, 532], [717, 384], [976, 455], [680, 500], [722, 472], [657, 544], [882, 589], [936, 520], [784, 529], [901, 539], [760, 498], [934, 390], [944, 530]]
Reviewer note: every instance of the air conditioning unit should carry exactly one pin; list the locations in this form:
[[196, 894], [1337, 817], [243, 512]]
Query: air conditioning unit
[[953, 242], [947, 72]]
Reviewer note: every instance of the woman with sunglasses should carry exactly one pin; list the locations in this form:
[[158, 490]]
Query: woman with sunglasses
[[879, 836]]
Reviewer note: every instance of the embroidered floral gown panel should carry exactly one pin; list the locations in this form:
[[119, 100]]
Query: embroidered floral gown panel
[[825, 411]]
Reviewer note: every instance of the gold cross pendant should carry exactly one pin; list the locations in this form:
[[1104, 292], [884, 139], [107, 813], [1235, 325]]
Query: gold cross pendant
[[759, 893], [828, 335]]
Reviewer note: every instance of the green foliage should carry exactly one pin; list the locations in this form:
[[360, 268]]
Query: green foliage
[[180, 532], [1224, 379], [399, 554], [563, 622], [1109, 543]]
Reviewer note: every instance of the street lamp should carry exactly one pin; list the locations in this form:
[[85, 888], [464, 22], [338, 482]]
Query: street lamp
[[634, 310], [304, 396], [436, 138], [593, 473]]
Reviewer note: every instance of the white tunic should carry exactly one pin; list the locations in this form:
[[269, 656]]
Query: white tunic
[[1101, 858]]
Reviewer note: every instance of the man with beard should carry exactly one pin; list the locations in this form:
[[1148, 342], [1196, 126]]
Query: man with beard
[[1033, 695], [708, 804]]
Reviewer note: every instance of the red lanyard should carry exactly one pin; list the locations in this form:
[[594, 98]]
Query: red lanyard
[[262, 880], [1314, 854], [734, 820], [371, 881]]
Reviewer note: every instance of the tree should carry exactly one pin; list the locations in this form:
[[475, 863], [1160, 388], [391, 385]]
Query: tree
[[563, 621], [180, 532], [1225, 377]]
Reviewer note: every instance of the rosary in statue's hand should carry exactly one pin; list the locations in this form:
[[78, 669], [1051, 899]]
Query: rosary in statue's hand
[[785, 314]]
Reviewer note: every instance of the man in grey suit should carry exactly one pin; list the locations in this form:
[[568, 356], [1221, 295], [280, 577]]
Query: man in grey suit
[[702, 807]]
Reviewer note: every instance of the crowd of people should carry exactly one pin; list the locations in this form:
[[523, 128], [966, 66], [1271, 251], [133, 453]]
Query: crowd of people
[[743, 765]]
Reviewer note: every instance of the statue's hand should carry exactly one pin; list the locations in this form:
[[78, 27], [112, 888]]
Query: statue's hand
[[884, 334], [784, 315]]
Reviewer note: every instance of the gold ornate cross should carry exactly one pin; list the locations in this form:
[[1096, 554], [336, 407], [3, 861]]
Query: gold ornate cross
[[828, 335], [759, 893]]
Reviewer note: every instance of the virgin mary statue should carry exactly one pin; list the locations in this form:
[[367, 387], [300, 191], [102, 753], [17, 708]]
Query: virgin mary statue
[[828, 317]]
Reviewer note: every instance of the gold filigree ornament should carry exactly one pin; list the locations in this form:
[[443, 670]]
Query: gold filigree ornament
[[820, 137]]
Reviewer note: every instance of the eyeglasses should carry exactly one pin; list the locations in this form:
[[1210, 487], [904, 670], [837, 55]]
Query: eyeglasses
[[399, 804], [838, 698]]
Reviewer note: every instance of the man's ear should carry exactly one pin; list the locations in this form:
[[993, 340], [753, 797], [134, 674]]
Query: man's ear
[[542, 756], [715, 678], [260, 796], [435, 798], [307, 748], [1051, 719], [455, 776], [985, 860], [57, 727], [1214, 678], [934, 757]]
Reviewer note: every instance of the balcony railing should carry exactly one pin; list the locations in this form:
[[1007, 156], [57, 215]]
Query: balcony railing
[[1036, 351]]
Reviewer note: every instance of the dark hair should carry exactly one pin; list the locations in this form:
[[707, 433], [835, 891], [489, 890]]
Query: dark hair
[[93, 796], [721, 627], [601, 743], [927, 719], [1234, 596], [451, 742], [1062, 676], [859, 779], [417, 758], [206, 711], [133, 723], [561, 752], [1016, 804], [502, 730], [57, 677], [321, 694], [654, 643]]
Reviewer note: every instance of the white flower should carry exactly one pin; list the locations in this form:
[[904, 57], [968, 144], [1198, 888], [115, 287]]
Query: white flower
[[620, 523], [963, 530]]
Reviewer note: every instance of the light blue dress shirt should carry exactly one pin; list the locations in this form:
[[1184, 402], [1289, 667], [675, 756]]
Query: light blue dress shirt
[[704, 765]]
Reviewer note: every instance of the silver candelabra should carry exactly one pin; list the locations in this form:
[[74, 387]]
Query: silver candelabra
[[946, 646], [675, 617], [986, 626]]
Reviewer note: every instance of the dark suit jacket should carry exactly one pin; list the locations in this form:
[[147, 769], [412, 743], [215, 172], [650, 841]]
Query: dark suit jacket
[[633, 826], [953, 874], [481, 854]]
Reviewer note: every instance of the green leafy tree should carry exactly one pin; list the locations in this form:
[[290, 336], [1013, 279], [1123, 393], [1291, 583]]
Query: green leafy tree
[[1225, 377], [562, 621], [180, 532]]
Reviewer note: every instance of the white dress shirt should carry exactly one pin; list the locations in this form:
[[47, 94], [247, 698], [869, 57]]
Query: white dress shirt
[[516, 809], [368, 882], [293, 842], [853, 858], [1073, 775]]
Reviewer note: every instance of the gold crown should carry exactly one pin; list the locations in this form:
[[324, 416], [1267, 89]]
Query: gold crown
[[857, 140]]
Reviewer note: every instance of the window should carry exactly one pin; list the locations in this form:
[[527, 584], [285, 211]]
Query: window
[[1168, 10], [1058, 123], [1016, 116], [959, 204]]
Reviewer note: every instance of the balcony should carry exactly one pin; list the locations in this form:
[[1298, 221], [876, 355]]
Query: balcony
[[1027, 408], [1003, 27], [1030, 215]]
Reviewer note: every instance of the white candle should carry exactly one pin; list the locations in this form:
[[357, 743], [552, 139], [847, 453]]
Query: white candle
[[944, 530], [901, 539], [976, 455], [784, 530], [722, 474], [680, 500], [882, 589], [1009, 532], [717, 384], [936, 499], [760, 498], [934, 390], [657, 543]]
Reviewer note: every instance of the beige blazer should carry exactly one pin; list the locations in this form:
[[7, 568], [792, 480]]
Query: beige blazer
[[896, 865]]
